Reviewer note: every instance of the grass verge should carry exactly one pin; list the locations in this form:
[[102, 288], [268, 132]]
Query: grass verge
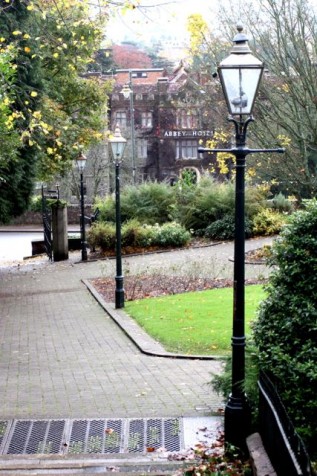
[[194, 322]]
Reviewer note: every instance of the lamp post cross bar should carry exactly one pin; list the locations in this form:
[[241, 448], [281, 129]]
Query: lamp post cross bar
[[243, 150]]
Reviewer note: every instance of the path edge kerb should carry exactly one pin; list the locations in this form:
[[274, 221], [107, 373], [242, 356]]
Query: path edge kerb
[[146, 344]]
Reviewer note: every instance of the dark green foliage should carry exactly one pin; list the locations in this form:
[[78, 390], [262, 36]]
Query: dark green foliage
[[134, 234], [206, 205], [222, 383], [199, 206], [106, 207], [209, 201], [19, 174], [36, 204], [16, 186], [150, 203], [102, 235], [280, 203], [286, 329], [224, 228], [171, 234]]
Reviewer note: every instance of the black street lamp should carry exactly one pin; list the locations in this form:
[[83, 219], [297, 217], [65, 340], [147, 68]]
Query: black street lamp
[[81, 164], [117, 145], [240, 75]]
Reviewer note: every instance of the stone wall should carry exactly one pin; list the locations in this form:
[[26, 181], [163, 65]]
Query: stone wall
[[35, 218]]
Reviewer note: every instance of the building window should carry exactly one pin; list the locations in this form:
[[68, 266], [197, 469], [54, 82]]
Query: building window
[[186, 119], [142, 148], [186, 149], [121, 118], [146, 119]]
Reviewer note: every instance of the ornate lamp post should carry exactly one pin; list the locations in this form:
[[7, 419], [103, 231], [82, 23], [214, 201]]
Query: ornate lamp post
[[81, 164], [240, 75], [117, 146], [127, 92]]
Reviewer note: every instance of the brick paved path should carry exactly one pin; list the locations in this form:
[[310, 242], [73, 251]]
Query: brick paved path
[[62, 356]]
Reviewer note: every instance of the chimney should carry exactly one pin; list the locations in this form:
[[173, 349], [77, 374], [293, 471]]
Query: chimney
[[162, 85]]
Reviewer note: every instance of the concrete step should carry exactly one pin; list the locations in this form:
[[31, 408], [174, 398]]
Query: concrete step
[[52, 465]]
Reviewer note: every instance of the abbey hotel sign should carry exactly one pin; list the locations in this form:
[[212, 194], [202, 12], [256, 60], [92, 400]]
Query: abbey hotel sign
[[188, 133]]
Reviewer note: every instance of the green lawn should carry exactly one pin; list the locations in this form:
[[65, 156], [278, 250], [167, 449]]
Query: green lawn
[[196, 322]]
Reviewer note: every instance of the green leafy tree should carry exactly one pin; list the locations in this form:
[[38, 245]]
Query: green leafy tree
[[55, 111], [17, 169]]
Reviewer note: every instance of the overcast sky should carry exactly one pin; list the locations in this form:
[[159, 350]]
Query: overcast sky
[[161, 17], [165, 17]]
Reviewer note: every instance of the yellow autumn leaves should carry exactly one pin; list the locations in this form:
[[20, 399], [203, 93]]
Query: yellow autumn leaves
[[223, 159]]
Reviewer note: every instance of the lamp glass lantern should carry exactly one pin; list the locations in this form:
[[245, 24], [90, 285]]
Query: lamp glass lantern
[[126, 91], [240, 76], [117, 145], [81, 162]]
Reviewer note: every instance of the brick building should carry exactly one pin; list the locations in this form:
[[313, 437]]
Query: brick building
[[164, 119]]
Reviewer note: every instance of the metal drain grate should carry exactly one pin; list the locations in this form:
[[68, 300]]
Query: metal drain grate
[[35, 436], [97, 436]]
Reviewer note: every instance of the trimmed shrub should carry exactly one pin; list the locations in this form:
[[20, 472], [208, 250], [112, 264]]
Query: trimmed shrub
[[137, 235], [194, 206], [210, 201], [286, 330], [102, 235], [171, 234], [281, 204], [224, 229], [149, 203], [268, 222], [204, 203]]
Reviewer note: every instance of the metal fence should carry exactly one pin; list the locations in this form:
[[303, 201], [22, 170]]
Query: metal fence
[[285, 448]]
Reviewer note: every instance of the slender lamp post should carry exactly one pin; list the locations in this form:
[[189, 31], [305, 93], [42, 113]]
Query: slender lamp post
[[117, 145], [240, 75], [81, 164], [127, 92]]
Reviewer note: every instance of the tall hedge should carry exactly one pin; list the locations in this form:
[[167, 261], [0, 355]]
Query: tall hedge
[[286, 329]]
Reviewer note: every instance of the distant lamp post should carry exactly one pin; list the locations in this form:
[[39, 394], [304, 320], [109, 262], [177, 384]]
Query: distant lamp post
[[127, 92], [117, 146], [81, 164], [240, 75]]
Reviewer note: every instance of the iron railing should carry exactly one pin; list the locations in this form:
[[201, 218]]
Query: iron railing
[[47, 220], [285, 448]]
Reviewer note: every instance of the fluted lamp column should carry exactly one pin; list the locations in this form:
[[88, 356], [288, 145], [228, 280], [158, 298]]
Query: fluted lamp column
[[117, 145], [81, 164]]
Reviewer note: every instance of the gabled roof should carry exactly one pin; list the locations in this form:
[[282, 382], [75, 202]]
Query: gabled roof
[[139, 76]]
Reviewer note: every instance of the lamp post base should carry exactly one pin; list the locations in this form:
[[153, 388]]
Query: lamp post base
[[237, 422], [119, 295], [84, 255]]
